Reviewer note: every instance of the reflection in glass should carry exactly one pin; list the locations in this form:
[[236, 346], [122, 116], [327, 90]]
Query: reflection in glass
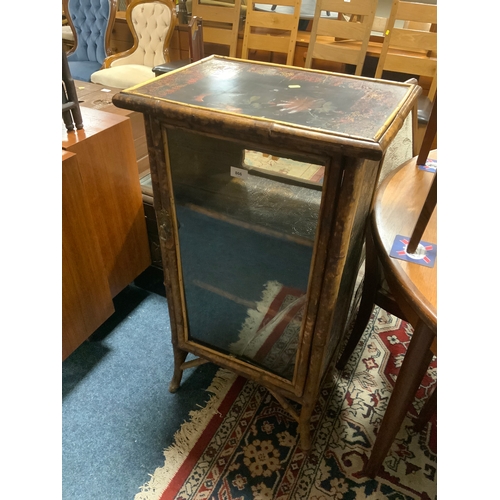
[[246, 238]]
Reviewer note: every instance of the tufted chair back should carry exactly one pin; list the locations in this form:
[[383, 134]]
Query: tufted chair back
[[152, 24], [91, 22]]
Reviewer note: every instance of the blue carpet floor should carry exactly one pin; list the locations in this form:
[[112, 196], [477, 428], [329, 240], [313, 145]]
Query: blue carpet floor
[[117, 413]]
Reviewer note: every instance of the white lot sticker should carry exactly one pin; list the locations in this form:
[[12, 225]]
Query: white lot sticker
[[240, 173], [294, 86]]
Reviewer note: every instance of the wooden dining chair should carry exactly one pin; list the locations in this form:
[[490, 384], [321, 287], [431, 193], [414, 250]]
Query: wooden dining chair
[[431, 199], [375, 288], [411, 49], [351, 30], [221, 23], [383, 288], [271, 30]]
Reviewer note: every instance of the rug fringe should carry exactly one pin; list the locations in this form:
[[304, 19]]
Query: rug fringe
[[186, 437], [188, 434]]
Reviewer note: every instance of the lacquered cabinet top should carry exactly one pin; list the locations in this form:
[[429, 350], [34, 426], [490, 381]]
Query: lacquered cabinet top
[[331, 103]]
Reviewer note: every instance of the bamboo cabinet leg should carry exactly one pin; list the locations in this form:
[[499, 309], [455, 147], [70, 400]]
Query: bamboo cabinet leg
[[415, 364], [304, 423], [179, 358]]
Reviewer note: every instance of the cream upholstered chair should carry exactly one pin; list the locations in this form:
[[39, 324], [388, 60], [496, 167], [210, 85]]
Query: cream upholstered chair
[[152, 23]]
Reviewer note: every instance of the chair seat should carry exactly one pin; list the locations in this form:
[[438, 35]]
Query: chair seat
[[82, 70], [123, 77], [67, 34]]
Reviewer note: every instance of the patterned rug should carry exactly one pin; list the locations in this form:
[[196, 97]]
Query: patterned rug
[[244, 446]]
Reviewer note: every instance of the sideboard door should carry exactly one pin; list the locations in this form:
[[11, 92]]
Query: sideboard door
[[86, 298]]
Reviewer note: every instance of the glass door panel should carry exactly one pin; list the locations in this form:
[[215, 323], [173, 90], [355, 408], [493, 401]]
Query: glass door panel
[[246, 223]]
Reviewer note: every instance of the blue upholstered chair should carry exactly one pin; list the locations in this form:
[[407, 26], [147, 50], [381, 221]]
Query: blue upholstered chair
[[91, 22]]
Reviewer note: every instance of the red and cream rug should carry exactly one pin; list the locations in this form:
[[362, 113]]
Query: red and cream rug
[[243, 445]]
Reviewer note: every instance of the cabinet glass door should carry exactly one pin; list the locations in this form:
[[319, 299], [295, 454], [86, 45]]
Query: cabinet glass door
[[246, 224]]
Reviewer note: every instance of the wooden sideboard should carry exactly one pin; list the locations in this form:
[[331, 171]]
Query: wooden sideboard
[[96, 96], [87, 300], [105, 245]]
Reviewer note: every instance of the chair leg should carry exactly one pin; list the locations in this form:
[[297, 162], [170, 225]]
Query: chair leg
[[427, 411], [429, 135], [371, 285], [415, 364], [423, 218], [415, 135]]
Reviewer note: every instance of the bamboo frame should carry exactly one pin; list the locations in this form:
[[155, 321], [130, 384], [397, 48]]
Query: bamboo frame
[[346, 200]]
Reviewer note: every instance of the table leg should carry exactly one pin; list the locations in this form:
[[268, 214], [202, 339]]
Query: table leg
[[415, 364], [430, 407], [304, 425]]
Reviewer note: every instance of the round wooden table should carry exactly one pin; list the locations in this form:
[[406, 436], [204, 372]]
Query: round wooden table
[[398, 203]]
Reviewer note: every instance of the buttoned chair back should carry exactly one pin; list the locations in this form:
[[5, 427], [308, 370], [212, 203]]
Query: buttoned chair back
[[344, 37], [152, 25], [91, 23]]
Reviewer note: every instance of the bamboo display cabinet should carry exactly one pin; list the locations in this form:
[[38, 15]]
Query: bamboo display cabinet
[[234, 237]]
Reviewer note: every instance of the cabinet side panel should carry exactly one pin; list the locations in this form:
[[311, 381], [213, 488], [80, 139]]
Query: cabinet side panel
[[347, 293], [109, 173], [86, 299]]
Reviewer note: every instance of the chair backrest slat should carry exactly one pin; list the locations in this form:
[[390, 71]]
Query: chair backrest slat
[[220, 23], [348, 32], [270, 30], [407, 49]]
